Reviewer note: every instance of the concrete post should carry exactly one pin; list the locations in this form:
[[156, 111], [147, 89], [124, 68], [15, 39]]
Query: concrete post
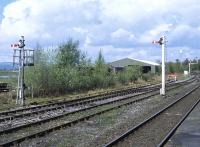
[[163, 66]]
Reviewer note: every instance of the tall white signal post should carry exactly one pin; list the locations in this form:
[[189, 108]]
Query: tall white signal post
[[25, 58], [162, 42]]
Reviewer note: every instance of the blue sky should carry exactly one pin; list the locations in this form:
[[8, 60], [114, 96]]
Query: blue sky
[[121, 28], [3, 3]]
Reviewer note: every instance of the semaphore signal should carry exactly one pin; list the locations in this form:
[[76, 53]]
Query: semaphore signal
[[162, 42], [14, 45], [25, 58]]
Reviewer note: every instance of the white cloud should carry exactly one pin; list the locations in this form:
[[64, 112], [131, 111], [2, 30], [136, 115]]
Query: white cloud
[[34, 18], [117, 25], [80, 30], [155, 33], [120, 33]]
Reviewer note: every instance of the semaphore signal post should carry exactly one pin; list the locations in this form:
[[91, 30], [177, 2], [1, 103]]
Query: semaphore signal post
[[22, 57], [162, 42]]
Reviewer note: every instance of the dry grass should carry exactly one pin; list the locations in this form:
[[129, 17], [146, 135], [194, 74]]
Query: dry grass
[[44, 100], [6, 101]]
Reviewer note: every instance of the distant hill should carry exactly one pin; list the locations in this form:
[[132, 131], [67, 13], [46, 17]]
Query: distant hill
[[6, 66]]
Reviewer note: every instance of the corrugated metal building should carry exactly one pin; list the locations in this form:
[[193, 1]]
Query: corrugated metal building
[[146, 66]]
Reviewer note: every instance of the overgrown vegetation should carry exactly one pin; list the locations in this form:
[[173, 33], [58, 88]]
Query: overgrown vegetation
[[179, 67], [67, 69]]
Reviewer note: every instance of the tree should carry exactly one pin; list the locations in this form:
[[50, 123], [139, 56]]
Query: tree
[[38, 75], [171, 68], [101, 77], [100, 62], [129, 74], [178, 67], [185, 64], [69, 54], [133, 73]]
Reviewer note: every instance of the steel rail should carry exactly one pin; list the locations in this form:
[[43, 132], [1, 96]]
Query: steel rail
[[173, 130], [109, 94], [9, 130], [72, 103], [41, 133], [76, 111], [66, 105], [135, 128]]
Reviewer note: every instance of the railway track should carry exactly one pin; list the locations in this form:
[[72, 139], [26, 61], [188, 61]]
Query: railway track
[[19, 113], [67, 111], [81, 100], [93, 109], [56, 111], [158, 128], [61, 106], [127, 100]]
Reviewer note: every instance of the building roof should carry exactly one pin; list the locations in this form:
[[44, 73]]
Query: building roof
[[127, 62], [148, 62]]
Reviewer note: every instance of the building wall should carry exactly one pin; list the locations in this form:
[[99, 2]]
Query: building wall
[[127, 62], [153, 69], [119, 69]]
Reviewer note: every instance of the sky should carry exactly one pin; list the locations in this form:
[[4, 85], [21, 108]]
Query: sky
[[120, 28]]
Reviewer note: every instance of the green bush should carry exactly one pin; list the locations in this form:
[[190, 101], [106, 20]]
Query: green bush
[[68, 70], [147, 76], [122, 78]]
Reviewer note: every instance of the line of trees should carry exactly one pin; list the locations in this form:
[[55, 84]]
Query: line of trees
[[179, 67], [67, 69]]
